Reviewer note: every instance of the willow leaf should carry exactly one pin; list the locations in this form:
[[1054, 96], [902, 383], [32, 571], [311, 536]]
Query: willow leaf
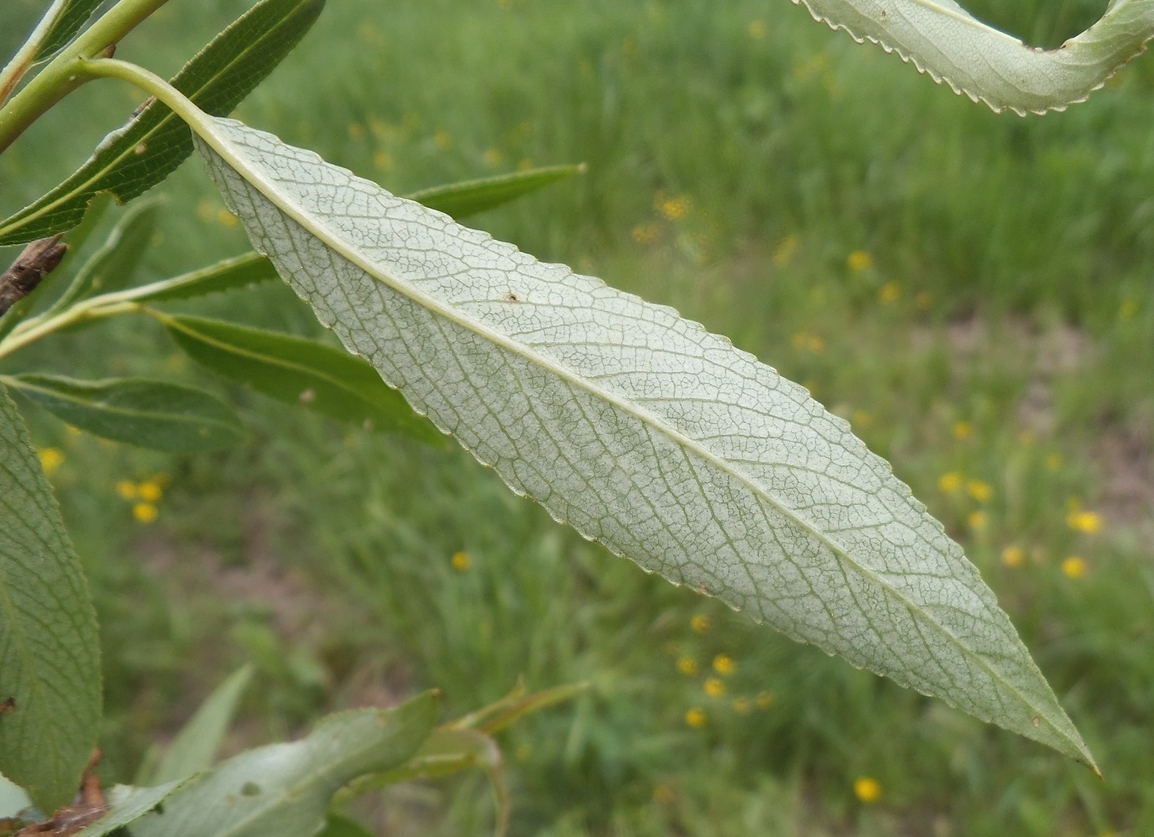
[[640, 429], [943, 40], [471, 197], [69, 21], [49, 649]]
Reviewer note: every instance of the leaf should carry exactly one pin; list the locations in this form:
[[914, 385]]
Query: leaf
[[943, 40], [284, 789], [496, 716], [338, 826], [154, 143], [13, 799], [151, 414], [67, 25], [194, 748], [300, 371], [460, 200], [641, 430], [49, 650], [127, 804], [225, 275]]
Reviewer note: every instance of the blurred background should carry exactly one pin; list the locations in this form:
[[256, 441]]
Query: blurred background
[[971, 291]]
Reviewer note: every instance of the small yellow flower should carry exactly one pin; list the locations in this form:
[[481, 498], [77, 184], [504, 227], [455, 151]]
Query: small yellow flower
[[757, 29], [145, 512], [226, 218], [687, 666], [714, 687], [859, 260], [723, 664], [1084, 521], [1074, 567], [461, 561], [50, 460], [979, 490], [356, 131], [978, 520], [765, 700], [867, 790], [127, 489], [783, 255], [699, 623], [646, 233], [742, 705], [149, 491], [672, 208], [493, 158], [861, 418], [951, 482], [924, 300], [1054, 462], [963, 430], [1013, 556], [806, 342], [664, 795], [890, 293], [383, 160], [696, 717], [1128, 309]]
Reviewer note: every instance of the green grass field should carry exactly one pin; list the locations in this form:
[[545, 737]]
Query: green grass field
[[972, 291]]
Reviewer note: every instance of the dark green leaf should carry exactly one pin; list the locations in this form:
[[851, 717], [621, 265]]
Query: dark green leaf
[[194, 748], [225, 275], [300, 371], [460, 200], [152, 414], [145, 151], [284, 789], [337, 826], [49, 651], [68, 23]]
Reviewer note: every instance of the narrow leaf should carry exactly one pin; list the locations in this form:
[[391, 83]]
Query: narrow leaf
[[194, 749], [943, 40], [640, 429], [151, 414], [154, 143], [126, 805], [67, 25], [300, 371], [460, 200], [226, 275], [284, 789], [49, 650]]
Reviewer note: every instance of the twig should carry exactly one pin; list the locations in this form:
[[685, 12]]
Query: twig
[[38, 260]]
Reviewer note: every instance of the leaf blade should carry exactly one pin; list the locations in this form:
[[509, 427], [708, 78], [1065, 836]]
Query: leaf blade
[[65, 27], [641, 430], [136, 411], [49, 651], [225, 275], [470, 197]]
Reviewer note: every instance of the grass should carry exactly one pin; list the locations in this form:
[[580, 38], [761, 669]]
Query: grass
[[970, 290]]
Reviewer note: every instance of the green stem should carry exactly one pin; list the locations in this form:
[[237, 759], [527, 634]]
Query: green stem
[[68, 70], [94, 309], [24, 57]]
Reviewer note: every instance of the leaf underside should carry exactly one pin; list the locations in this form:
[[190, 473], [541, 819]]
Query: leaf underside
[[641, 430], [49, 653], [943, 40]]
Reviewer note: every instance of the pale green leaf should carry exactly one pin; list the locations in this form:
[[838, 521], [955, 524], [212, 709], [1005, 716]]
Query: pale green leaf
[[194, 748], [943, 40], [640, 429], [284, 789], [13, 799], [49, 650], [126, 805], [150, 414]]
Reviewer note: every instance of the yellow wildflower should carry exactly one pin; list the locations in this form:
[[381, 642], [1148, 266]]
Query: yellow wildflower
[[867, 790], [757, 29], [742, 705], [1074, 567], [226, 218], [696, 717], [889, 293], [765, 700], [687, 666], [460, 561], [951, 482], [963, 430], [145, 512], [356, 131], [126, 489], [1084, 521], [493, 157], [785, 250], [1013, 556], [671, 208], [859, 260], [1053, 462], [383, 161], [724, 664], [714, 687], [149, 491], [443, 139], [979, 490], [646, 233], [50, 460], [978, 520], [699, 623]]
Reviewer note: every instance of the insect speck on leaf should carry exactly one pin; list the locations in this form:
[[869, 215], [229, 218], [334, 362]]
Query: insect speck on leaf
[[509, 296], [307, 397], [140, 149]]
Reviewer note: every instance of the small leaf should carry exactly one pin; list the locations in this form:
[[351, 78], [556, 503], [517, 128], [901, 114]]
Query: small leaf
[[338, 826], [194, 748], [126, 805], [942, 39], [49, 649], [460, 200], [640, 429], [300, 371], [151, 414], [496, 716], [67, 25], [284, 789], [226, 275], [153, 143]]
